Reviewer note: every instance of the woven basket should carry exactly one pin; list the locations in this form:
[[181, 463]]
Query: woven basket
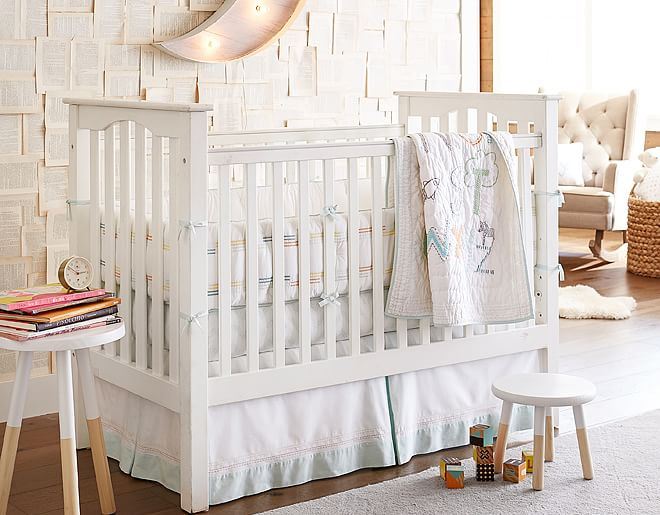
[[643, 237]]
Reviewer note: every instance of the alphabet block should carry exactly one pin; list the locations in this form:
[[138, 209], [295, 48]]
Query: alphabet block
[[443, 465], [484, 455], [514, 470], [455, 476], [482, 435], [528, 458], [485, 472]]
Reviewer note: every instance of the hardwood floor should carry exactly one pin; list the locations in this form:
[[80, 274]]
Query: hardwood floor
[[621, 357]]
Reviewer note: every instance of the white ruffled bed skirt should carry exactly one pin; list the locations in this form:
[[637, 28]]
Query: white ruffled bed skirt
[[290, 439]]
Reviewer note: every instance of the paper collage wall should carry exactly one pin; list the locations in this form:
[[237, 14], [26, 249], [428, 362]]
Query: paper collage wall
[[338, 64]]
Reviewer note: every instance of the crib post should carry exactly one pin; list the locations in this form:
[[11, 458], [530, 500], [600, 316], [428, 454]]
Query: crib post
[[547, 231], [78, 184], [191, 197], [79, 160], [404, 111]]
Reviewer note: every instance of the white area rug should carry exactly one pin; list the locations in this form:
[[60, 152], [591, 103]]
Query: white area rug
[[626, 467], [582, 301]]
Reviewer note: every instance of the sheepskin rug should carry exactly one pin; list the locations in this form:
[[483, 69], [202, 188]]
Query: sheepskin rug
[[578, 302]]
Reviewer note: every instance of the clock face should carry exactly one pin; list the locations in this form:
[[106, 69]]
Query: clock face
[[76, 273]]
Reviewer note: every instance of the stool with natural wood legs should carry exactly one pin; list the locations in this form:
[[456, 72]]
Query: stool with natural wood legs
[[544, 391], [63, 346]]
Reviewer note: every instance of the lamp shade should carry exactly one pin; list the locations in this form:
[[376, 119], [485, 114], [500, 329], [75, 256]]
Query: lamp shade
[[237, 29]]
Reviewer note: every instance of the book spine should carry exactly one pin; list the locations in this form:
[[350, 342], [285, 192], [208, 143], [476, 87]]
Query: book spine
[[64, 330], [44, 326], [47, 301]]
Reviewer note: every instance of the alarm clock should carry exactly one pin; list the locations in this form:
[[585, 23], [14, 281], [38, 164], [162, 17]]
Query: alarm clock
[[76, 273]]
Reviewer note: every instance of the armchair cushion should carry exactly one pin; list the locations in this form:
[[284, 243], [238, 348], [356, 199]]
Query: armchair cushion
[[586, 207]]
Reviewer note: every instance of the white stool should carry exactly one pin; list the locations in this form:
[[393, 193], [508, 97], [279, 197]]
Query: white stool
[[544, 392], [63, 345]]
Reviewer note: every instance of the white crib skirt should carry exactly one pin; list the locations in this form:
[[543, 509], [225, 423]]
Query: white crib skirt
[[290, 439]]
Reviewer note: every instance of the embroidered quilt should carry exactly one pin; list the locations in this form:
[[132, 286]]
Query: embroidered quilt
[[459, 252]]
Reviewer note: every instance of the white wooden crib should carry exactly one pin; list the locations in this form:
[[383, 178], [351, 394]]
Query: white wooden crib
[[125, 154]]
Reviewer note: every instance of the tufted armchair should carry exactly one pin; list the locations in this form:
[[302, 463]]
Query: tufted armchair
[[611, 130]]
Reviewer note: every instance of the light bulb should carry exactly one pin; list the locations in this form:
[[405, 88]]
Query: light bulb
[[213, 43], [261, 7]]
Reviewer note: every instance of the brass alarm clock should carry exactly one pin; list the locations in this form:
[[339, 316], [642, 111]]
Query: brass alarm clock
[[76, 273]]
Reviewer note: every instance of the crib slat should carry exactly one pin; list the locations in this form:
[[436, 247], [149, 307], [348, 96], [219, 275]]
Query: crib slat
[[462, 120], [444, 122], [303, 262], [377, 251], [140, 247], [278, 263], [94, 204], [401, 333], [426, 124], [252, 258], [157, 277], [329, 252], [224, 270], [482, 120], [109, 217], [174, 231], [447, 334], [425, 331], [354, 256], [526, 209], [125, 237]]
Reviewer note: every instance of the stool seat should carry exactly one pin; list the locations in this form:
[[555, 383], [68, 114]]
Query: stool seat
[[541, 389], [75, 340]]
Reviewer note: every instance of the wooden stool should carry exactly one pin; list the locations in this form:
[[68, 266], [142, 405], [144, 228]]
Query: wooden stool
[[62, 345], [544, 392]]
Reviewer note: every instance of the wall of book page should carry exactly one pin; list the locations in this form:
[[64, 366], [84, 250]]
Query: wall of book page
[[338, 64]]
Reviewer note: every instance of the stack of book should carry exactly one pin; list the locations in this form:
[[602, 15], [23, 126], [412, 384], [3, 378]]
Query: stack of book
[[47, 310]]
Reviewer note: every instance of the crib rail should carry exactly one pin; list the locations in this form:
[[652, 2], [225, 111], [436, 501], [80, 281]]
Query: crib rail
[[312, 135]]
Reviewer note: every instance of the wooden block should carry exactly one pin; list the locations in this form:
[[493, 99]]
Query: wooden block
[[444, 462], [528, 458], [514, 470], [482, 435], [455, 476], [486, 472], [484, 455]]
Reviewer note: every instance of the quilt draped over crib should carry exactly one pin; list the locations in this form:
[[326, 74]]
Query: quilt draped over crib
[[459, 251]]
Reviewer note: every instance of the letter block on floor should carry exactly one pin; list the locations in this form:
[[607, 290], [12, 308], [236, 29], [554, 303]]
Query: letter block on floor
[[455, 476], [482, 435], [514, 470], [444, 462]]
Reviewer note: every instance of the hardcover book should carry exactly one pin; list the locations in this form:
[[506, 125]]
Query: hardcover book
[[21, 336], [57, 315], [44, 326], [38, 296]]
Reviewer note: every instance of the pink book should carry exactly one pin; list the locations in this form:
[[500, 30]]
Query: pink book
[[42, 296]]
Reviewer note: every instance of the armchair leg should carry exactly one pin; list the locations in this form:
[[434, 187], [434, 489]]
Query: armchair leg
[[596, 247], [596, 244]]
